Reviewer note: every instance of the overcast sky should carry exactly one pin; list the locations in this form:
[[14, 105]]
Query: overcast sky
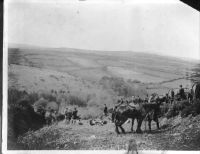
[[171, 29]]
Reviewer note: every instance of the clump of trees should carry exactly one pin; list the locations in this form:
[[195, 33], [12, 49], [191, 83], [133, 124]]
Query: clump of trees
[[122, 87]]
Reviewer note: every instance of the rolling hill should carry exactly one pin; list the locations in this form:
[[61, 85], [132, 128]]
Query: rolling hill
[[36, 68]]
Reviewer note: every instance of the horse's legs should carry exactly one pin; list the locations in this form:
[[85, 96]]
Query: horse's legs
[[139, 125], [123, 131], [157, 123], [116, 129], [132, 125], [113, 117], [149, 123]]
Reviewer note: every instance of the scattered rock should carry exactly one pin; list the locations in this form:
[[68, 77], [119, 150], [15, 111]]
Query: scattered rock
[[176, 134], [92, 137]]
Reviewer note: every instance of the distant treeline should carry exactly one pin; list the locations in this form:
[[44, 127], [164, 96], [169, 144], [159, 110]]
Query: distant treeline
[[122, 87]]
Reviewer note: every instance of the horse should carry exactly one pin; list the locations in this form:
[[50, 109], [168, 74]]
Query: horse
[[121, 114], [142, 111], [150, 112]]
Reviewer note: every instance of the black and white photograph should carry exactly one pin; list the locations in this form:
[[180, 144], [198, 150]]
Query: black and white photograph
[[96, 75]]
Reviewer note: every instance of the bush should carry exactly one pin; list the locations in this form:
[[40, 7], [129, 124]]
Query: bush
[[90, 113], [74, 100], [184, 108], [16, 95], [33, 97], [164, 109], [121, 87], [176, 108], [171, 113], [193, 109], [40, 104], [48, 96], [21, 115], [21, 118]]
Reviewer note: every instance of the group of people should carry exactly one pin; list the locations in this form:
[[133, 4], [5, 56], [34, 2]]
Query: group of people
[[181, 95], [71, 116], [50, 116], [168, 98]]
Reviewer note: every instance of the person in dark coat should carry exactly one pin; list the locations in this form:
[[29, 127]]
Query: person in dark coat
[[172, 94], [190, 95], [182, 93], [75, 114], [105, 110], [68, 114], [197, 91]]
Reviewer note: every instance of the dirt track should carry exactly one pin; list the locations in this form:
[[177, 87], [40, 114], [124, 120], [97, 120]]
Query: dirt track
[[105, 137]]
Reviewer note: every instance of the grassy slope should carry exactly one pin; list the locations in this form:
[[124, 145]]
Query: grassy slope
[[93, 65], [175, 134]]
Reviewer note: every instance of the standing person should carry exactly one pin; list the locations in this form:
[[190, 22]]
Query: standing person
[[65, 112], [146, 98], [133, 99], [190, 95], [75, 115], [172, 94], [67, 115], [167, 98], [105, 110], [182, 93], [54, 114]]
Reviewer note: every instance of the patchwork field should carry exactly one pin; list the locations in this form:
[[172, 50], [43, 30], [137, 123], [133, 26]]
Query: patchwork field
[[58, 66]]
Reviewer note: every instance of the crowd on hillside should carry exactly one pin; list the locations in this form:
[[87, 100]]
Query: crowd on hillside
[[167, 98], [72, 115]]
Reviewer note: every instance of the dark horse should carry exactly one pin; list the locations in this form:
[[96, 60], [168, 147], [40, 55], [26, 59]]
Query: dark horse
[[142, 112]]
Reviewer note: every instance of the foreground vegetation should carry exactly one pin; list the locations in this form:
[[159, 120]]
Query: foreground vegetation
[[27, 130], [175, 134]]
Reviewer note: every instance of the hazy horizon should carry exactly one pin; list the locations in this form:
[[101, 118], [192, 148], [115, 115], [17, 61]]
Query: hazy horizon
[[150, 28]]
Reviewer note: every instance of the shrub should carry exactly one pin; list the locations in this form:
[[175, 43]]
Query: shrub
[[164, 109], [90, 113], [176, 108], [15, 95], [74, 100], [40, 104], [193, 109], [183, 107], [33, 97], [48, 96], [121, 87], [21, 118], [172, 113]]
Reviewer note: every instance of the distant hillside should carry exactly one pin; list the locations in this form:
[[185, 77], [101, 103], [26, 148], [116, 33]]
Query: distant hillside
[[163, 72]]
